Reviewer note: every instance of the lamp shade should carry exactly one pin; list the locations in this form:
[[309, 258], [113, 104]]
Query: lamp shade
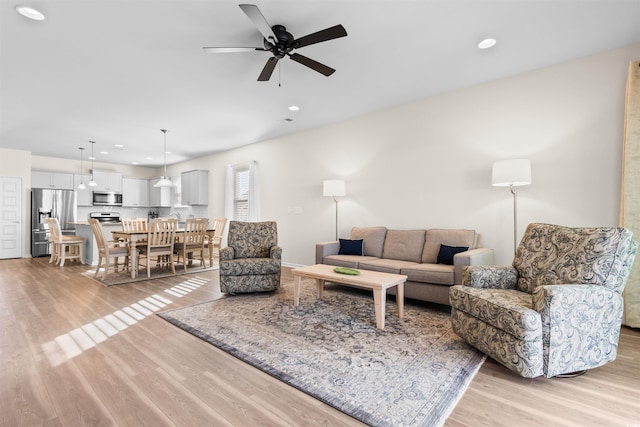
[[511, 173], [333, 188], [163, 182]]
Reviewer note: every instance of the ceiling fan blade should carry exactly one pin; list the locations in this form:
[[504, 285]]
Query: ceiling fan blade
[[314, 65], [321, 36], [252, 11], [265, 75], [230, 49]]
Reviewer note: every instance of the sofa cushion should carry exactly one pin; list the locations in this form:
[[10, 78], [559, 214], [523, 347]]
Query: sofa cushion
[[405, 245], [446, 253], [436, 237], [439, 274], [506, 309], [386, 265], [351, 247], [373, 239], [351, 261]]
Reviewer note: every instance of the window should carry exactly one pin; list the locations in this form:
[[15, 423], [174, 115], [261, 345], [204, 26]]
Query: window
[[241, 192]]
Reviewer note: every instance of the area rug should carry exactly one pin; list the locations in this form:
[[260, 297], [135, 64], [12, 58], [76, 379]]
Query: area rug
[[124, 276], [412, 373]]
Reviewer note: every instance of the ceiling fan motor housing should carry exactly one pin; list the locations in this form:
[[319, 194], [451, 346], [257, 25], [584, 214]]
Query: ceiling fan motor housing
[[284, 44]]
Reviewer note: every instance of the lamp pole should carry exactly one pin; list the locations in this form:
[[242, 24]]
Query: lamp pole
[[515, 218], [334, 188], [512, 173], [336, 201]]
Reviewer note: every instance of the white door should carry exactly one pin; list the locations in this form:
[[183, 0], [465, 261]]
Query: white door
[[11, 230]]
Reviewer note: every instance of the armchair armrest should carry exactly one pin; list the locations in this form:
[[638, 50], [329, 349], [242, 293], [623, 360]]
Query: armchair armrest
[[227, 254], [478, 256], [275, 252], [490, 276], [324, 249], [580, 326]]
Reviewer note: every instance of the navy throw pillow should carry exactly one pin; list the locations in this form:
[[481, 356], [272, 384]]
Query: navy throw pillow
[[445, 256], [351, 247]]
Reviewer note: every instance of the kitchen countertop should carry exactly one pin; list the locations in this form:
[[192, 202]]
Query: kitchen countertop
[[87, 223]]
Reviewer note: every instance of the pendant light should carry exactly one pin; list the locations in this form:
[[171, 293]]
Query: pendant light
[[165, 181], [81, 186], [92, 183]]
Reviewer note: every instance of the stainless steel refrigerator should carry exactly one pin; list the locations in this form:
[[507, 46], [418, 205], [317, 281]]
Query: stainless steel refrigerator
[[46, 203]]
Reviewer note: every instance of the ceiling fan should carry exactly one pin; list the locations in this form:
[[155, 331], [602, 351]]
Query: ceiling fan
[[281, 43]]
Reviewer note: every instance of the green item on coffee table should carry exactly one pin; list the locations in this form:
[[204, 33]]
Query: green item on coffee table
[[346, 270]]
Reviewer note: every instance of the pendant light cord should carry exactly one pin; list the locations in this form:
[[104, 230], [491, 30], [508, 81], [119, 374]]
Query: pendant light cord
[[165, 151]]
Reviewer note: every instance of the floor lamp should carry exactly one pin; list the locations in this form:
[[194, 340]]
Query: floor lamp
[[334, 188], [512, 173]]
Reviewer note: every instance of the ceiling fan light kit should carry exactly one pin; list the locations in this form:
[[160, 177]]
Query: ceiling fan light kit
[[280, 43]]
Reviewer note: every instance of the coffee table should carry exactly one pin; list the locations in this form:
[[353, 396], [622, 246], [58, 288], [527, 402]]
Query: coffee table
[[377, 281]]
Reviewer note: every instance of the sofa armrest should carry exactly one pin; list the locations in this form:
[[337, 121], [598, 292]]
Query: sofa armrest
[[478, 256], [490, 276], [580, 326], [324, 249], [227, 253], [275, 252]]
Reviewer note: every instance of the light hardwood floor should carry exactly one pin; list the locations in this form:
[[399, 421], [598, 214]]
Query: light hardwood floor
[[61, 365]]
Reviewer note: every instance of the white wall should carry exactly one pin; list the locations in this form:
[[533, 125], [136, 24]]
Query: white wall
[[428, 164]]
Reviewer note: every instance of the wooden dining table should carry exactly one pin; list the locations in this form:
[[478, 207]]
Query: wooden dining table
[[133, 238]]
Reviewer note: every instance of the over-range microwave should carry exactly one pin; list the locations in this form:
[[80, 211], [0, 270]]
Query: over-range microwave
[[103, 198]]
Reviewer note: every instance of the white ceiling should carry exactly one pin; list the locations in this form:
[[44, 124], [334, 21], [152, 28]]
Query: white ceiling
[[117, 71]]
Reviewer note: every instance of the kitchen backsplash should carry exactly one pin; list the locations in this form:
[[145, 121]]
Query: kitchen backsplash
[[182, 212]]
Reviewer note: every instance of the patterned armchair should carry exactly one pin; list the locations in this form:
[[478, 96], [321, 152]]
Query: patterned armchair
[[251, 261], [557, 310]]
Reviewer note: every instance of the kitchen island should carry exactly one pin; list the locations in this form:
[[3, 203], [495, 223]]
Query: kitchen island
[[83, 229]]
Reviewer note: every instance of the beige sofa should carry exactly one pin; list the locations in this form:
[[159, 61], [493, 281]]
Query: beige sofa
[[413, 253]]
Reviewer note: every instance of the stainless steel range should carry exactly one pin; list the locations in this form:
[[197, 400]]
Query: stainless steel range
[[106, 217]]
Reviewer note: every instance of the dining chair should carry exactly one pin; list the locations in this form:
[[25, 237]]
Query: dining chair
[[160, 240], [107, 249], [193, 239], [134, 224], [64, 247], [213, 243]]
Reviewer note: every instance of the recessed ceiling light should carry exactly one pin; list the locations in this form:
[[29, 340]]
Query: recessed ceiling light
[[118, 146], [104, 152], [149, 158], [135, 163], [294, 108], [167, 152], [487, 43], [30, 13], [91, 158]]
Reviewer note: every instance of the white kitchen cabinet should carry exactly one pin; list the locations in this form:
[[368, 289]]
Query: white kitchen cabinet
[[107, 181], [159, 197], [84, 197], [195, 187], [135, 192], [55, 180]]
